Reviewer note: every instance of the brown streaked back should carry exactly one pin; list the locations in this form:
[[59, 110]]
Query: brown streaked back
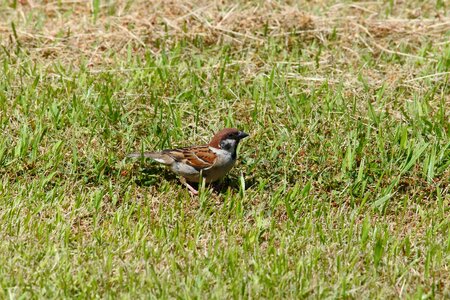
[[197, 157]]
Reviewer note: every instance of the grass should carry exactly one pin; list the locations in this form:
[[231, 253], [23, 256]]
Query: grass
[[342, 190]]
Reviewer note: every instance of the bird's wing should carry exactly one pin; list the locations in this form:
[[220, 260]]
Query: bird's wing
[[199, 157]]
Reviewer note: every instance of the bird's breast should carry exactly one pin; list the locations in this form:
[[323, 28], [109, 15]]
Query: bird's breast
[[223, 164]]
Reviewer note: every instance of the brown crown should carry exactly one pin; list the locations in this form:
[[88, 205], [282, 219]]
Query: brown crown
[[218, 137]]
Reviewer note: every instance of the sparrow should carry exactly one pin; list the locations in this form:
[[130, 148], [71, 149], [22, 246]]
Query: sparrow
[[210, 162]]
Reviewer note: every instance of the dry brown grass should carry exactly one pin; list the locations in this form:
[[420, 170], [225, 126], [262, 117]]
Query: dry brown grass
[[69, 30], [70, 33]]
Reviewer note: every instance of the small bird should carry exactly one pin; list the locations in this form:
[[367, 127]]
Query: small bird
[[210, 162]]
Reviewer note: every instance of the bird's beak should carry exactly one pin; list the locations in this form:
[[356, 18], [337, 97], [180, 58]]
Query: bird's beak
[[242, 135]]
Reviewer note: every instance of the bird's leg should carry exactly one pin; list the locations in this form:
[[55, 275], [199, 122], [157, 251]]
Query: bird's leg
[[192, 191]]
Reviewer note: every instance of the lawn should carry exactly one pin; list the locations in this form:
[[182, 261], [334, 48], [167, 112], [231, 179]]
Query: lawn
[[341, 191]]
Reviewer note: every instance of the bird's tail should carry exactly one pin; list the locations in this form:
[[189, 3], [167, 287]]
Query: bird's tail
[[157, 156]]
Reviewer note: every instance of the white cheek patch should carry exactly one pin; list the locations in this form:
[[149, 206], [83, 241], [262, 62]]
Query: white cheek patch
[[228, 145]]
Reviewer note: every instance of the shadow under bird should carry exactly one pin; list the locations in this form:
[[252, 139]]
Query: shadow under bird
[[210, 162]]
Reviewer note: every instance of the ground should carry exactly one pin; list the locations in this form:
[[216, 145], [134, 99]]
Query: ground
[[341, 190]]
